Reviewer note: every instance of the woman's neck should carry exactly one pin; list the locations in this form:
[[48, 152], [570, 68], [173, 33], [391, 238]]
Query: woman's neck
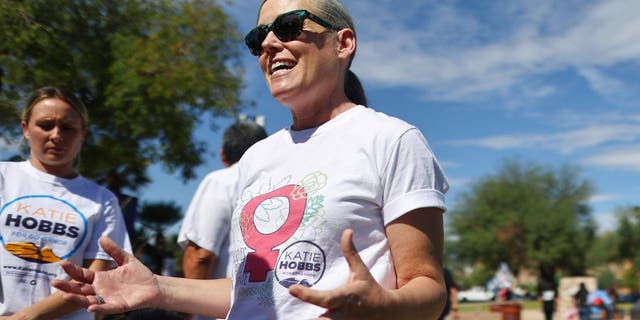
[[305, 119], [63, 171]]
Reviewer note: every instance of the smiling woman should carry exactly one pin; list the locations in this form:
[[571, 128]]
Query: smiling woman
[[340, 170]]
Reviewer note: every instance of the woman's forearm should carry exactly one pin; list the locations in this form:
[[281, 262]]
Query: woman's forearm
[[416, 243], [50, 307], [210, 298], [420, 298]]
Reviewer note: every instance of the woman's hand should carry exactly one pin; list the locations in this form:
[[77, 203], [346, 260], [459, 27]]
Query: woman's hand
[[416, 244], [130, 286], [361, 298]]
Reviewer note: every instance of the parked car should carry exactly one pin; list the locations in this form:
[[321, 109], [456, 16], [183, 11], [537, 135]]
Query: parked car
[[476, 294], [629, 298]]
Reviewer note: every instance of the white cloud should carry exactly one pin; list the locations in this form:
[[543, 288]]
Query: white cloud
[[602, 83], [564, 142], [458, 183], [539, 92], [449, 164], [606, 221], [443, 49], [603, 197], [600, 35], [624, 158]]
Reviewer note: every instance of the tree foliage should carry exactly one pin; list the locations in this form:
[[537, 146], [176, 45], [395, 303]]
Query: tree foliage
[[148, 71], [154, 219], [156, 216], [600, 252], [628, 244], [526, 215], [628, 232]]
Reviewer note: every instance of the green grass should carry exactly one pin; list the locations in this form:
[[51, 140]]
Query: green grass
[[484, 306], [528, 304]]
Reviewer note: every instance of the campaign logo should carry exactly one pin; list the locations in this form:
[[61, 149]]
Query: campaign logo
[[302, 262], [41, 228]]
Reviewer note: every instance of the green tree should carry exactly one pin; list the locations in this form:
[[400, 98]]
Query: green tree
[[628, 232], [154, 219], [479, 276], [527, 215], [628, 244], [148, 71], [600, 253]]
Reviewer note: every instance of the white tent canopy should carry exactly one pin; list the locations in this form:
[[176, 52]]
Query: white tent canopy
[[503, 278]]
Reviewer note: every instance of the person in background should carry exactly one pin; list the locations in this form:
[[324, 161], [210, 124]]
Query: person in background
[[50, 213], [616, 313], [452, 296], [580, 299], [168, 264], [340, 171], [204, 234], [547, 294], [600, 303]]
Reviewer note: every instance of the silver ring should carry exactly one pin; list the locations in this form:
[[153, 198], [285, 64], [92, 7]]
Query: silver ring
[[99, 299]]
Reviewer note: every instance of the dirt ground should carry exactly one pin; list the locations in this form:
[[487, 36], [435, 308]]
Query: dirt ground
[[527, 314], [488, 315]]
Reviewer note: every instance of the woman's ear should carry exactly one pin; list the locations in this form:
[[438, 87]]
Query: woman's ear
[[25, 131], [85, 133], [346, 43], [223, 158]]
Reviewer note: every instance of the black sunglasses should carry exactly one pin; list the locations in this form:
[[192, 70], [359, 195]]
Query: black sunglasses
[[286, 27]]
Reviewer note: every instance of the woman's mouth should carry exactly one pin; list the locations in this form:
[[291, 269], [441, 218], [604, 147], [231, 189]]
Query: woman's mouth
[[281, 66]]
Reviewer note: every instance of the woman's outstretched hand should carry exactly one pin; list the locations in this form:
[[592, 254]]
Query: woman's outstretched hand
[[360, 298], [128, 287]]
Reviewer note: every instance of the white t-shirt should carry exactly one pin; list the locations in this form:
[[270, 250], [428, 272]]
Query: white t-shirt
[[302, 189], [45, 219], [208, 218]]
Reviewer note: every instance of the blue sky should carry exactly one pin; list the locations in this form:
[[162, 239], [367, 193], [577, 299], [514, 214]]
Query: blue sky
[[552, 82]]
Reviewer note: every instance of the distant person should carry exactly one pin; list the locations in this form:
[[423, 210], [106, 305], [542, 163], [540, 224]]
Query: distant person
[[580, 298], [168, 264], [452, 296], [600, 304], [547, 294], [505, 294], [204, 234], [615, 312], [49, 212]]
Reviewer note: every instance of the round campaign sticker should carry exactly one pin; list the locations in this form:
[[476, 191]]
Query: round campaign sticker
[[302, 262]]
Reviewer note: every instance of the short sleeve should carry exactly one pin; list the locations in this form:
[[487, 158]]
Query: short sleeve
[[412, 178], [208, 217], [108, 223]]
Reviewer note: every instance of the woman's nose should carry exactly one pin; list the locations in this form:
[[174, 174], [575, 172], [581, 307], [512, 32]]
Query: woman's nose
[[55, 135], [271, 41]]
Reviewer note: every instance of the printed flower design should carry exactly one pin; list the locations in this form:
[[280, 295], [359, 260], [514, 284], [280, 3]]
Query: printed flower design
[[314, 182]]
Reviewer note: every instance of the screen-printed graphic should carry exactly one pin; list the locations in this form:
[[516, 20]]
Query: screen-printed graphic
[[41, 228], [271, 219]]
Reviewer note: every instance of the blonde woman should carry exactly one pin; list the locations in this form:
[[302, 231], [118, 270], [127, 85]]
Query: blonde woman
[[50, 213]]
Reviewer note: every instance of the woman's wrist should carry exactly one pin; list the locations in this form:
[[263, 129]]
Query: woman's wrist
[[22, 315]]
